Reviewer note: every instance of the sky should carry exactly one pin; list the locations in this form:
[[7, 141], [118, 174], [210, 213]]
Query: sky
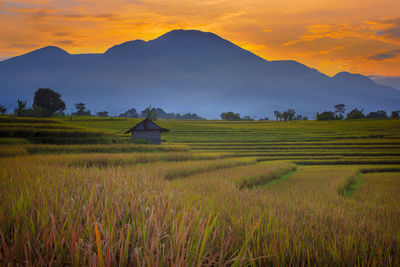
[[331, 36]]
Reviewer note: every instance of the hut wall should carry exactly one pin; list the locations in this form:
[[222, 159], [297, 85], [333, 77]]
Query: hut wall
[[154, 137]]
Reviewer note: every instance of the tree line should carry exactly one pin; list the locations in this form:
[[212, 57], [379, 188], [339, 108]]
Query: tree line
[[158, 113], [355, 114], [47, 103]]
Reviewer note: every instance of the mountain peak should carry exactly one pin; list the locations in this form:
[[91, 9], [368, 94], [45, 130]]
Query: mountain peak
[[180, 33], [192, 38], [49, 50], [40, 55], [344, 75], [126, 47]]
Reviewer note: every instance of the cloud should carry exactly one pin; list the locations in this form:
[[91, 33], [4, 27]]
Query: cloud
[[386, 29], [393, 29], [320, 31], [385, 55]]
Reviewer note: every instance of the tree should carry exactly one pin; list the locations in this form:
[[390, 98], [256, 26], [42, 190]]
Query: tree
[[102, 114], [230, 116], [48, 101], [81, 110], [277, 115], [298, 117], [340, 109], [131, 113], [380, 114], [80, 107], [290, 114], [150, 113], [395, 114], [285, 115], [3, 109], [355, 114], [247, 118], [326, 116], [21, 108]]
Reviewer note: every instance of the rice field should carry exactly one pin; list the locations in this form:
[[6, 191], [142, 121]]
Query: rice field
[[214, 193]]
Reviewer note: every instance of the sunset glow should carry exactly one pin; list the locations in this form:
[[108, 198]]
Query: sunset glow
[[331, 36]]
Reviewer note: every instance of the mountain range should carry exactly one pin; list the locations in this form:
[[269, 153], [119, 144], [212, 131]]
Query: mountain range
[[187, 71]]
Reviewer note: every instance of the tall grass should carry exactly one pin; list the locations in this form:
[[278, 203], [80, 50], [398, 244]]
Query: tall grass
[[297, 221], [130, 205], [59, 216]]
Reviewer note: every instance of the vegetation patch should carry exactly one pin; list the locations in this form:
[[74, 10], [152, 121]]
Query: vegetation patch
[[350, 185], [349, 162], [13, 141], [380, 169], [209, 166], [12, 151], [113, 160], [119, 148], [263, 179]]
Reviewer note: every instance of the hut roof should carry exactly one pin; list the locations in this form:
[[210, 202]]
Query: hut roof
[[146, 125]]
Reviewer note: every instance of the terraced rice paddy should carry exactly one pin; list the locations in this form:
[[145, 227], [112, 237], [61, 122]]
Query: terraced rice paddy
[[215, 193]]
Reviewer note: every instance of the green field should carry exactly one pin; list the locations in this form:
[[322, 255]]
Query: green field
[[214, 193]]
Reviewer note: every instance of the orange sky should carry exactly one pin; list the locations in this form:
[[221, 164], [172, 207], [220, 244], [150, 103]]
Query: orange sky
[[331, 36]]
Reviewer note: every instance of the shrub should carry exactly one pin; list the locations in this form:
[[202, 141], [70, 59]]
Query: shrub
[[326, 116], [355, 114]]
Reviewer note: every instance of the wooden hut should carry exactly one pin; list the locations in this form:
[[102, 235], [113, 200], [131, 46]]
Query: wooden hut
[[146, 131]]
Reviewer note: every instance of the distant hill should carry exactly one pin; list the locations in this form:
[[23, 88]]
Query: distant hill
[[187, 71], [387, 80]]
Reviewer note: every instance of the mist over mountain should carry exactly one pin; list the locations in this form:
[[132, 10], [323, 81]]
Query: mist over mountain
[[187, 71], [387, 80]]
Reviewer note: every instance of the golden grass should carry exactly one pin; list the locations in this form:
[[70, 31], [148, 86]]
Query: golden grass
[[62, 216], [297, 221], [239, 203], [380, 189], [132, 215]]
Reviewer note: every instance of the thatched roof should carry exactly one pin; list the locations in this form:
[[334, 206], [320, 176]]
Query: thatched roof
[[146, 125]]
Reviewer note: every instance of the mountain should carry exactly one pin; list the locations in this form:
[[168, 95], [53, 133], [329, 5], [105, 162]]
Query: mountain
[[187, 71]]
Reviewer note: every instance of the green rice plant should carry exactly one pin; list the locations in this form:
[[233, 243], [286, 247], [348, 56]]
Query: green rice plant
[[33, 132], [40, 126], [12, 119], [13, 141]]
